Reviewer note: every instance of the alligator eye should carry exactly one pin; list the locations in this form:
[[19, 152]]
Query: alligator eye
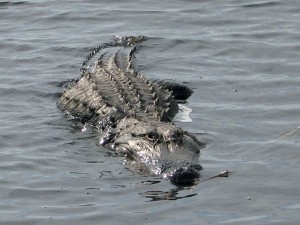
[[176, 136], [152, 135]]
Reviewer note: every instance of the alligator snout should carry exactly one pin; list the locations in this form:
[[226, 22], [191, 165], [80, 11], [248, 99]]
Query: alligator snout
[[186, 176]]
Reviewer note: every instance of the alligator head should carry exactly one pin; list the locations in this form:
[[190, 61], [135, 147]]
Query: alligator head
[[163, 149]]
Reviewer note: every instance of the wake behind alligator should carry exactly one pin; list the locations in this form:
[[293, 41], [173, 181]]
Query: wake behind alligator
[[134, 114]]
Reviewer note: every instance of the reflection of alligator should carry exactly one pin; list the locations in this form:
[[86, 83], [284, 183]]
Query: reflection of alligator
[[134, 113]]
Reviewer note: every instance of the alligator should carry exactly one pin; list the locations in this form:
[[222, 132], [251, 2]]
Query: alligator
[[132, 113]]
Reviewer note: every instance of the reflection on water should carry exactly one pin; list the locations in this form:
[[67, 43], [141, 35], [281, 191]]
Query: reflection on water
[[172, 194]]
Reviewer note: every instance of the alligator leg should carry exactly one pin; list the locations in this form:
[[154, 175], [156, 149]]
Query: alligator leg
[[179, 90]]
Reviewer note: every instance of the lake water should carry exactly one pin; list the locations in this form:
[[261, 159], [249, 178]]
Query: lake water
[[240, 57]]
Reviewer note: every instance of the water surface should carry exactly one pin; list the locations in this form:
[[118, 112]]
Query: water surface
[[241, 59]]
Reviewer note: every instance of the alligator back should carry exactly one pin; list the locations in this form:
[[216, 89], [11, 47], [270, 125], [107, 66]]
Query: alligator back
[[110, 85]]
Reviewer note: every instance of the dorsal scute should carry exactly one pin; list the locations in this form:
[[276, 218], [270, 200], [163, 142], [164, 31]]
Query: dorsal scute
[[112, 81]]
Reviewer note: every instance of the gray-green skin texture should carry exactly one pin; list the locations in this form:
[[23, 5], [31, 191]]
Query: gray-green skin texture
[[134, 114]]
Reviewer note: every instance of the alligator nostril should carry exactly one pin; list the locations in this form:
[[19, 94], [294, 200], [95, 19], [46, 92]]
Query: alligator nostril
[[179, 170], [185, 176], [197, 167]]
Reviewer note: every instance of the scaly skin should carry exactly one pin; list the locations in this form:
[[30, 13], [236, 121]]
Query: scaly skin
[[133, 113]]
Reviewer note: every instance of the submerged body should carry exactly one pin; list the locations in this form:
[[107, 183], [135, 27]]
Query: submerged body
[[133, 113]]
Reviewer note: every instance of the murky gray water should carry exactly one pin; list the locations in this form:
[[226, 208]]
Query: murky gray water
[[240, 57]]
